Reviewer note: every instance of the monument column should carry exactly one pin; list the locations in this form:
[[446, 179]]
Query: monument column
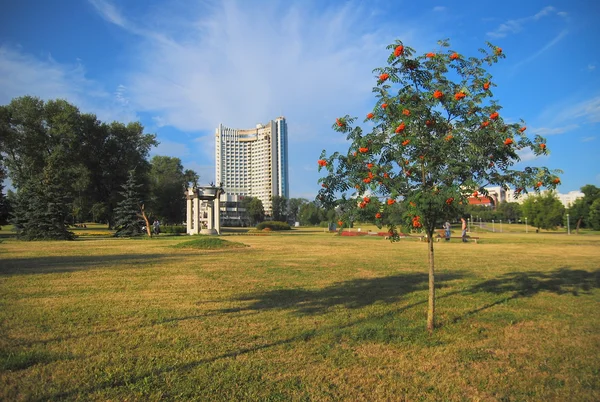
[[217, 214], [189, 211], [196, 215], [209, 207], [217, 206]]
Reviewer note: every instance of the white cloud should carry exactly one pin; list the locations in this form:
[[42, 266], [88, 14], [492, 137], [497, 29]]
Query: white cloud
[[544, 48], [554, 130], [170, 148], [205, 147], [109, 12], [591, 67], [158, 121], [439, 9], [22, 74], [588, 109], [527, 155], [517, 25], [206, 172], [238, 64], [121, 95], [544, 12], [588, 139], [568, 115]]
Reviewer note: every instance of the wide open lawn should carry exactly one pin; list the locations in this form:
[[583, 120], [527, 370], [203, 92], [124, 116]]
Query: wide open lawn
[[300, 316]]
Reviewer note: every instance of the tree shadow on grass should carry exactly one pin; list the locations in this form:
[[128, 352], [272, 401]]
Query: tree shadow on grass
[[353, 294], [362, 292], [516, 285], [57, 264], [184, 367], [525, 284]]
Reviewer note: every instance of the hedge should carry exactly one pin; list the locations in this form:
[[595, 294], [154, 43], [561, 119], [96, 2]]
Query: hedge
[[273, 225]]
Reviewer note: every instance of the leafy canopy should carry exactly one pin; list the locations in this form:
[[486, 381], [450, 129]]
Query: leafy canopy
[[544, 211], [437, 137]]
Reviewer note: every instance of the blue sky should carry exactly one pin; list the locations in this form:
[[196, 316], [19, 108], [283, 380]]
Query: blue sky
[[182, 67]]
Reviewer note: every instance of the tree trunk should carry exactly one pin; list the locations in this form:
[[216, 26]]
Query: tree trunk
[[143, 215], [578, 224], [431, 304]]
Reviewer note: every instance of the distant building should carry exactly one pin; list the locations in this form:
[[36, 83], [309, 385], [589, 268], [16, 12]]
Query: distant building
[[569, 198], [498, 195], [253, 162]]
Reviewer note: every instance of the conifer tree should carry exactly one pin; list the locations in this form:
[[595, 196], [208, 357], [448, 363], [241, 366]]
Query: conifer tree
[[41, 212], [127, 213]]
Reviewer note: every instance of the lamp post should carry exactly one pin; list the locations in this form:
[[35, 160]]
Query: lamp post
[[500, 225], [526, 225], [568, 225], [493, 226]]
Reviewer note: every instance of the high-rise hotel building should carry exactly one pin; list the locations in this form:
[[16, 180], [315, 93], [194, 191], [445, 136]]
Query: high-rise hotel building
[[253, 162]]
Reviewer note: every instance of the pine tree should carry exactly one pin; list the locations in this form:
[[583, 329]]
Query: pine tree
[[4, 207], [41, 211], [127, 212]]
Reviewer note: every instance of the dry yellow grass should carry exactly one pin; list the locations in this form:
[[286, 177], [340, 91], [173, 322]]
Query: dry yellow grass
[[300, 316]]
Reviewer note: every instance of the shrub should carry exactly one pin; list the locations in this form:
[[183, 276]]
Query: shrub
[[173, 229], [273, 225], [209, 243]]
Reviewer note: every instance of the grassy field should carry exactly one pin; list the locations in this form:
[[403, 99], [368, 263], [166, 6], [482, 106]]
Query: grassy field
[[304, 315]]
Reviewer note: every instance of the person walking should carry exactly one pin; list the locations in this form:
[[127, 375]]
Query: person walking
[[447, 228], [464, 229]]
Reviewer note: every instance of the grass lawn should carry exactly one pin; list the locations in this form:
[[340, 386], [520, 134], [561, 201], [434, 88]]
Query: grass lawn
[[304, 315]]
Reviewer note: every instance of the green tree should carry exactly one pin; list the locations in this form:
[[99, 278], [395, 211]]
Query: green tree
[[89, 159], [41, 210], [580, 209], [310, 214], [41, 144], [128, 212], [4, 202], [544, 211], [191, 178], [111, 151], [437, 137], [98, 212], [294, 205], [279, 208], [254, 209], [509, 211], [168, 182], [594, 215]]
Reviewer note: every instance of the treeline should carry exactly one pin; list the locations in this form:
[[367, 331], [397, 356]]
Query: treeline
[[69, 167], [544, 211], [307, 213]]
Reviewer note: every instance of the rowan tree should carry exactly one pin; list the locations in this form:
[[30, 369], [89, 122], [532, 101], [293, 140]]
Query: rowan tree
[[436, 137]]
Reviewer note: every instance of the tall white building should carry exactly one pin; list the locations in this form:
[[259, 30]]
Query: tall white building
[[501, 195], [253, 162]]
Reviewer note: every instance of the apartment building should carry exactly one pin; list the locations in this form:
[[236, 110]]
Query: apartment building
[[253, 162]]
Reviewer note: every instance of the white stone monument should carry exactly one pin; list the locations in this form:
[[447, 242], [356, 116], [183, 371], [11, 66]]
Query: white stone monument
[[203, 210]]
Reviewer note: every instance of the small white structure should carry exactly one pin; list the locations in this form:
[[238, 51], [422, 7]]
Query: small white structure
[[203, 211]]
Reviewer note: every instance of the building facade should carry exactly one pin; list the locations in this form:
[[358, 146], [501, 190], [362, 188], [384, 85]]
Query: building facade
[[499, 195], [253, 162]]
